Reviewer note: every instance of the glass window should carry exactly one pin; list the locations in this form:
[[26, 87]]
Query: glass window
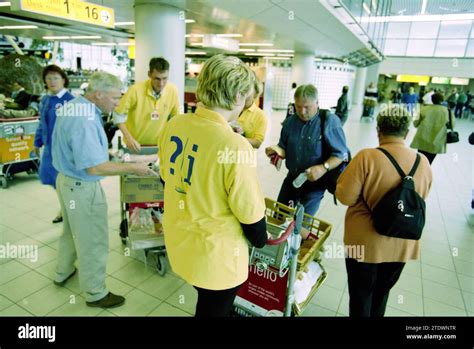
[[450, 48], [395, 47], [398, 30], [470, 49], [424, 30], [423, 48], [455, 29]]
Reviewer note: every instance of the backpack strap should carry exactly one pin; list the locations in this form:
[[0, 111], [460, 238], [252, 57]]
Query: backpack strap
[[394, 162], [415, 166], [397, 167]]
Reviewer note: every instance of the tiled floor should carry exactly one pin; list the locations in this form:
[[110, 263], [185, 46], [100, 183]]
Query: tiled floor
[[441, 283]]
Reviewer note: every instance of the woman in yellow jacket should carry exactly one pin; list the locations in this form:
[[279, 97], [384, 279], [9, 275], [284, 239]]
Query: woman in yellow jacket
[[430, 138], [213, 199]]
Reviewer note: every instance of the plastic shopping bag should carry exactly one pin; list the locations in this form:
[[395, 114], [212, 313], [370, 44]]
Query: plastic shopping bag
[[145, 230]]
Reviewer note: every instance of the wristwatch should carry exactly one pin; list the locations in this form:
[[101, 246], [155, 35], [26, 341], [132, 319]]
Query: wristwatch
[[326, 166]]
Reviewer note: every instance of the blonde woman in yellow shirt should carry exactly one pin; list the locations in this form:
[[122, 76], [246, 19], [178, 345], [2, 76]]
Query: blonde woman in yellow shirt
[[214, 204], [253, 119]]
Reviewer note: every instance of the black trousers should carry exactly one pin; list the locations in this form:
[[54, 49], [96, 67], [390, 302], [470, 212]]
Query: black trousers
[[430, 156], [369, 286], [213, 303]]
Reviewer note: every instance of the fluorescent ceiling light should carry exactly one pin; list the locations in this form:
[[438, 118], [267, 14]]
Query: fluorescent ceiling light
[[278, 58], [423, 6], [5, 4], [246, 49], [425, 18], [272, 50], [318, 59], [124, 23], [113, 44], [56, 37], [72, 37], [255, 44], [229, 35], [285, 55], [196, 44], [86, 37], [195, 53], [260, 54], [18, 27], [366, 8], [189, 21], [194, 36]]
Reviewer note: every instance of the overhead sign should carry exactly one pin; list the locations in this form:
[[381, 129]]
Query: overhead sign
[[459, 81], [439, 80], [413, 78], [74, 10]]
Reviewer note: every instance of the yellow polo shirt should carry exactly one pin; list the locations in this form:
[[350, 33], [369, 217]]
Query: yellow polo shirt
[[210, 188], [254, 122], [146, 114]]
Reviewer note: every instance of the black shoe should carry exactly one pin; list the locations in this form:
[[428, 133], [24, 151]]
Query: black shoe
[[109, 301], [58, 219], [62, 283]]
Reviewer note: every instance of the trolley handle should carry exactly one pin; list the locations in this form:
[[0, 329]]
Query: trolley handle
[[285, 235]]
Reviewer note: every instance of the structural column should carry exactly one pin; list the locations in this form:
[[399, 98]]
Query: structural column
[[303, 68], [159, 32], [359, 86]]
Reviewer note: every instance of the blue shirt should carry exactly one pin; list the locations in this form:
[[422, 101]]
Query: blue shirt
[[303, 144], [79, 139], [47, 109]]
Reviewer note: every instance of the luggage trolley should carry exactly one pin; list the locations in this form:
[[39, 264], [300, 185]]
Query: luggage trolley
[[284, 263], [17, 138], [142, 193]]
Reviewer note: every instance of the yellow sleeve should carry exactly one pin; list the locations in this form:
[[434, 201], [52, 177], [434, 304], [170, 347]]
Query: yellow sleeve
[[128, 101], [245, 197], [260, 126]]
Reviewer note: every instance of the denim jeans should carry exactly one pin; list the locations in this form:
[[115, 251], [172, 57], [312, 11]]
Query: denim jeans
[[308, 194]]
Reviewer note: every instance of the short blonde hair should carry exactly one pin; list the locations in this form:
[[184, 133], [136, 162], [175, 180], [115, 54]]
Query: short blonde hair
[[306, 92], [394, 121], [104, 82], [221, 79]]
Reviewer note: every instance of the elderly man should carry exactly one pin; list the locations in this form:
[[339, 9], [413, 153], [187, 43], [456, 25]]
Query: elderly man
[[308, 149], [81, 158], [147, 106]]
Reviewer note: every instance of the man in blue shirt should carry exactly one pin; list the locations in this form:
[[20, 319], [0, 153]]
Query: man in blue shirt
[[80, 156], [301, 144]]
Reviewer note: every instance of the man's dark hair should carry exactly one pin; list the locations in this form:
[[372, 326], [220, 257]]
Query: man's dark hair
[[293, 85], [345, 89], [55, 69], [437, 98], [159, 64]]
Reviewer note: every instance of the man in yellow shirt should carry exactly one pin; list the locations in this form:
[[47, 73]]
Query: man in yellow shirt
[[147, 106], [214, 203], [253, 119]]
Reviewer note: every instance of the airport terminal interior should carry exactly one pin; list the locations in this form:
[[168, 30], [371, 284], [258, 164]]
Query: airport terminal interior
[[386, 52]]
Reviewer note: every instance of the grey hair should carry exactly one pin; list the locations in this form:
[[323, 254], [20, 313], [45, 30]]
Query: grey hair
[[104, 82], [307, 92]]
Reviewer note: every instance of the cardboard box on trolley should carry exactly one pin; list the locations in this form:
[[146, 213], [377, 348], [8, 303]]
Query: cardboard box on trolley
[[140, 189]]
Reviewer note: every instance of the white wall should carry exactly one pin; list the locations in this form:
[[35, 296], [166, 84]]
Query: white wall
[[449, 67]]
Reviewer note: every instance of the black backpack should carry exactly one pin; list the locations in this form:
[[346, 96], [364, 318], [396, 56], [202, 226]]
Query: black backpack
[[401, 212], [329, 180]]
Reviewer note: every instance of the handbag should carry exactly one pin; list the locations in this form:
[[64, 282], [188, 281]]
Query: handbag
[[451, 136]]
